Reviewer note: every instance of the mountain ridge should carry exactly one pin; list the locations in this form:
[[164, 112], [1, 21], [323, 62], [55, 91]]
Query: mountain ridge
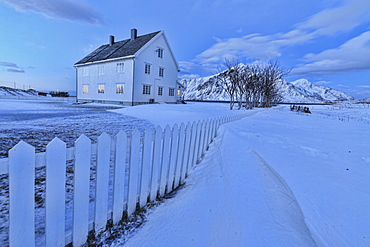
[[299, 91]]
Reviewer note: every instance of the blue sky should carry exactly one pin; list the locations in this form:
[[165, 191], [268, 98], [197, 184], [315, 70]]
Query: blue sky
[[324, 41]]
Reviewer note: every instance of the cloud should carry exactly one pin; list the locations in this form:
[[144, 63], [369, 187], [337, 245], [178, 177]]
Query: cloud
[[343, 86], [250, 46], [188, 68], [8, 64], [16, 70], [323, 82], [59, 9], [344, 17], [341, 18], [352, 56], [364, 86]]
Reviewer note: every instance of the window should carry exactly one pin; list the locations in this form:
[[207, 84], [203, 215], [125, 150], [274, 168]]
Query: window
[[160, 90], [120, 88], [85, 88], [171, 92], [101, 88], [146, 89], [85, 71], [160, 52], [147, 68], [120, 67], [161, 72], [101, 70], [178, 92]]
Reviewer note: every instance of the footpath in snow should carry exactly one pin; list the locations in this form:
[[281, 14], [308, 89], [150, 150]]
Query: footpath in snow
[[275, 178]]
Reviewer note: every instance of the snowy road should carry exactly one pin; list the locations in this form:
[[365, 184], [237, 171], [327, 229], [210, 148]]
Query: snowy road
[[276, 178]]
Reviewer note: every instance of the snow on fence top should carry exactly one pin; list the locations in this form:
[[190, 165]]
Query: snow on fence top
[[103, 181]]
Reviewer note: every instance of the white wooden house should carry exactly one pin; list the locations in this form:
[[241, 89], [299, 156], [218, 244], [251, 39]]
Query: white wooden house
[[134, 71]]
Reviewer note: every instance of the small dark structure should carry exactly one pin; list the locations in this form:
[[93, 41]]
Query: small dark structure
[[300, 109]]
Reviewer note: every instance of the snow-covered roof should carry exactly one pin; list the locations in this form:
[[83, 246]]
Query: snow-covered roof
[[124, 48]]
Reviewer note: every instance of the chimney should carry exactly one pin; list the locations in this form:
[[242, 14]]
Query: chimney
[[133, 34], [111, 40]]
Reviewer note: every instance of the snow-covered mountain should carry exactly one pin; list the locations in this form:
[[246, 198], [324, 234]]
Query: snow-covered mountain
[[16, 92], [299, 91], [366, 100]]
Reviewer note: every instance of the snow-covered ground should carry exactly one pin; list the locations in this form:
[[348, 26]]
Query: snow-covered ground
[[274, 178]]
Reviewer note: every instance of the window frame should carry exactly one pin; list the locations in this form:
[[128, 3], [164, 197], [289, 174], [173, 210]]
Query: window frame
[[101, 88], [120, 88], [120, 67], [85, 88], [147, 68], [159, 52], [161, 72], [160, 90], [146, 89], [101, 69], [171, 91], [85, 71]]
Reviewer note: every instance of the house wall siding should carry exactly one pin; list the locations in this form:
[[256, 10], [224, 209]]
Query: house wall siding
[[149, 55], [110, 78]]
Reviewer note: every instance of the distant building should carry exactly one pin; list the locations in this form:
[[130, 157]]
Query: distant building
[[139, 70]]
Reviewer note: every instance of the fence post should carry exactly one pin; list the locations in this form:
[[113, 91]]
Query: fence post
[[146, 166], [173, 157], [55, 193], [185, 164], [165, 160], [22, 195], [81, 189], [119, 176], [180, 155], [156, 163], [133, 172], [102, 182]]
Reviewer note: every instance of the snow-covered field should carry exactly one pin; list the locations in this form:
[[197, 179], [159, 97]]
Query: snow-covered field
[[274, 178]]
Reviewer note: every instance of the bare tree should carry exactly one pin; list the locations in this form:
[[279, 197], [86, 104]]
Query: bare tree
[[229, 79], [250, 85]]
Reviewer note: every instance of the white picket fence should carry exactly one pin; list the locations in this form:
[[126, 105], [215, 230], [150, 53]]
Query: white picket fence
[[146, 166]]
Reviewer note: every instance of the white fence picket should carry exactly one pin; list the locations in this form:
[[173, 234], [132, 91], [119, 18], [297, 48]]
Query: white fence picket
[[201, 140], [55, 193], [157, 155], [81, 190], [194, 128], [165, 160], [133, 172], [197, 142], [206, 139], [102, 182], [173, 157], [186, 149], [155, 167], [180, 155], [146, 166], [119, 176], [22, 195]]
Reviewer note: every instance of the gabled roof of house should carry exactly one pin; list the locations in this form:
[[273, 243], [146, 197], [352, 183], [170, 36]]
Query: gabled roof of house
[[119, 49]]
